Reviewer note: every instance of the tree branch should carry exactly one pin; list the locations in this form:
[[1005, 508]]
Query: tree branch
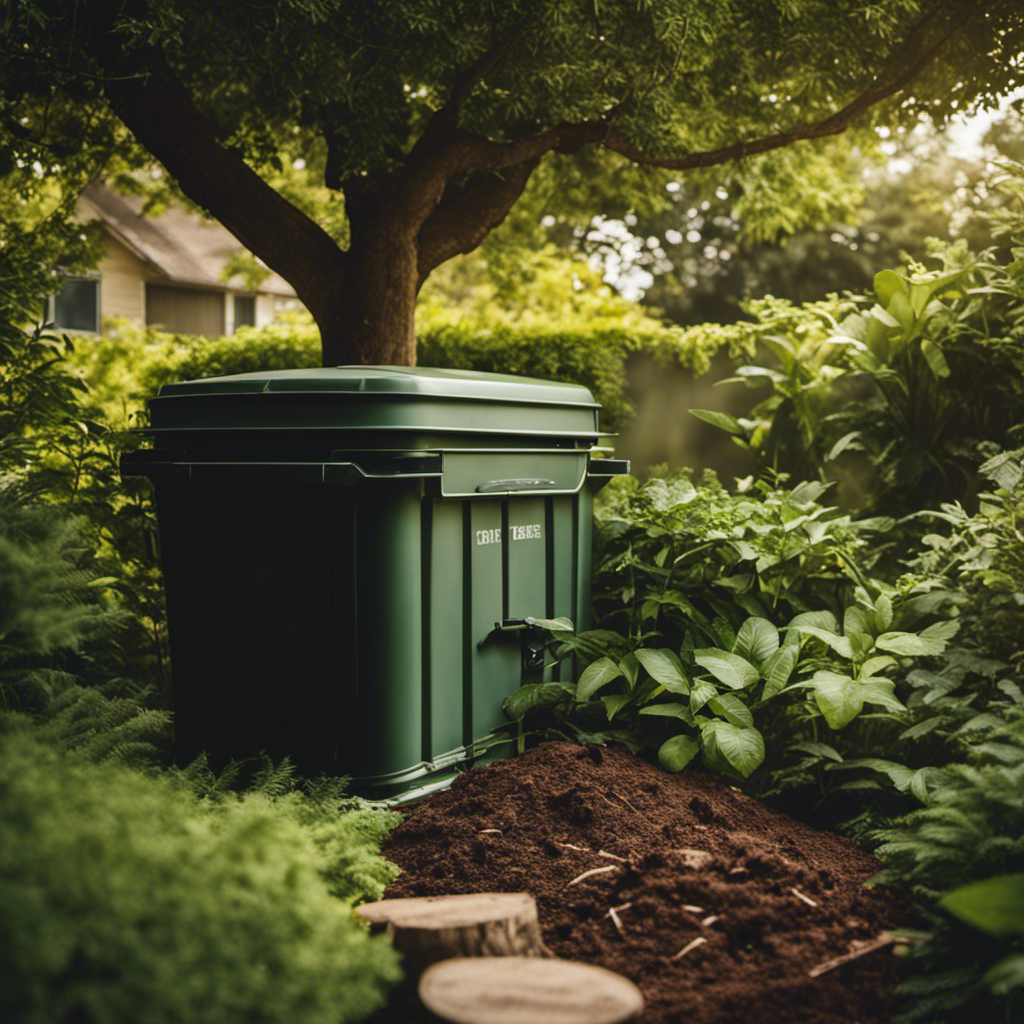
[[158, 110], [479, 153], [469, 78], [462, 221]]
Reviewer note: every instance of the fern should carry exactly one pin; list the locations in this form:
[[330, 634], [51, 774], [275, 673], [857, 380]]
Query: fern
[[972, 829], [124, 893]]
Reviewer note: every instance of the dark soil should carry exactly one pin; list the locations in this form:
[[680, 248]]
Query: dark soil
[[690, 858]]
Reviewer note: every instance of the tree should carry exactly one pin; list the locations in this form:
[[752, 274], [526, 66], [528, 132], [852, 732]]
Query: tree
[[430, 116]]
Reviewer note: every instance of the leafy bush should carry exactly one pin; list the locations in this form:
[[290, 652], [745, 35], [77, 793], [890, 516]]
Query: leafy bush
[[124, 890], [595, 356], [971, 831], [54, 612], [749, 635], [903, 394]]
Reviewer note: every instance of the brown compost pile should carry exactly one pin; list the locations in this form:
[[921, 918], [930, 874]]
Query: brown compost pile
[[715, 906]]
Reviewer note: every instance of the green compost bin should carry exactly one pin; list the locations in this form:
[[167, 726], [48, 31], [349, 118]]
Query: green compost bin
[[352, 556]]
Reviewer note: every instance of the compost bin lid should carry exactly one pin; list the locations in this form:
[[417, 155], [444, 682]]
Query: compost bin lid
[[376, 398]]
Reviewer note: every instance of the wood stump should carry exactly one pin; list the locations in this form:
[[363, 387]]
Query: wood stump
[[527, 990], [426, 929]]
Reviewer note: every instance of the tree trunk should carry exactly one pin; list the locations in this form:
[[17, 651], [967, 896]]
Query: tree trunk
[[369, 317], [431, 928]]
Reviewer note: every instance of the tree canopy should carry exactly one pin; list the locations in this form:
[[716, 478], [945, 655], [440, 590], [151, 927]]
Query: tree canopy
[[429, 117]]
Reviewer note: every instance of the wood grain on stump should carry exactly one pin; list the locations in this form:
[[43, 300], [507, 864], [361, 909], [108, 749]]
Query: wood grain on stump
[[426, 929], [526, 990]]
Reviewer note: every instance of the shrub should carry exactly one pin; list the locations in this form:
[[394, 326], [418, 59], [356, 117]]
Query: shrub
[[596, 357], [127, 896], [970, 831]]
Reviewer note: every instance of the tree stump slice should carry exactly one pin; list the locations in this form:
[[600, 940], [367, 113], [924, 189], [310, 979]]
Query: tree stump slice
[[425, 929], [527, 990]]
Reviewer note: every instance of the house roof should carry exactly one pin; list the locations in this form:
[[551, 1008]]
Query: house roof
[[177, 245]]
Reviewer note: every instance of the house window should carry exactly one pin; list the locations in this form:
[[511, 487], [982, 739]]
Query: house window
[[77, 306], [185, 310], [245, 311]]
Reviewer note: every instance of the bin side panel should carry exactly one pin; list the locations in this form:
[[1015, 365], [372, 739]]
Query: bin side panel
[[563, 567], [251, 608], [389, 624], [584, 539], [443, 628], [495, 668], [527, 561]]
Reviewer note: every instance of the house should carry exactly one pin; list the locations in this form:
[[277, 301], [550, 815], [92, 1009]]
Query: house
[[165, 271]]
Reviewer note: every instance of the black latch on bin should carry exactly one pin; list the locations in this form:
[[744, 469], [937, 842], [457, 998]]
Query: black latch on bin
[[531, 638]]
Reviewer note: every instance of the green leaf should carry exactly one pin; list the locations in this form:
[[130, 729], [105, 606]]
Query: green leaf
[[995, 905], [665, 667], [884, 317], [902, 310], [818, 749], [559, 625], [535, 695], [779, 668], [719, 419], [887, 283], [675, 754], [666, 495], [876, 664], [879, 691], [615, 703], [630, 669], [928, 642], [883, 613], [669, 711], [857, 620], [935, 359], [1006, 974], [732, 709], [840, 644], [594, 676], [842, 444], [756, 641], [702, 692], [742, 748], [837, 697], [728, 668], [819, 620], [900, 775], [940, 633]]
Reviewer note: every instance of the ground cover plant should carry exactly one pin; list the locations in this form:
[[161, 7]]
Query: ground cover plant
[[124, 890]]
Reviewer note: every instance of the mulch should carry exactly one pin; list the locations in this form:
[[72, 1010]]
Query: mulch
[[715, 906]]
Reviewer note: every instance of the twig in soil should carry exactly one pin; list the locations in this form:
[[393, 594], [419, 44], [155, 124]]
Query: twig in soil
[[610, 856], [490, 831], [592, 871], [616, 920], [862, 949], [573, 846], [800, 896], [708, 921], [692, 909], [624, 800], [699, 941]]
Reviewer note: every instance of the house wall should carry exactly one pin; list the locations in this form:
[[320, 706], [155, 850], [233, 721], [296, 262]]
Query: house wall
[[265, 309], [122, 287]]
